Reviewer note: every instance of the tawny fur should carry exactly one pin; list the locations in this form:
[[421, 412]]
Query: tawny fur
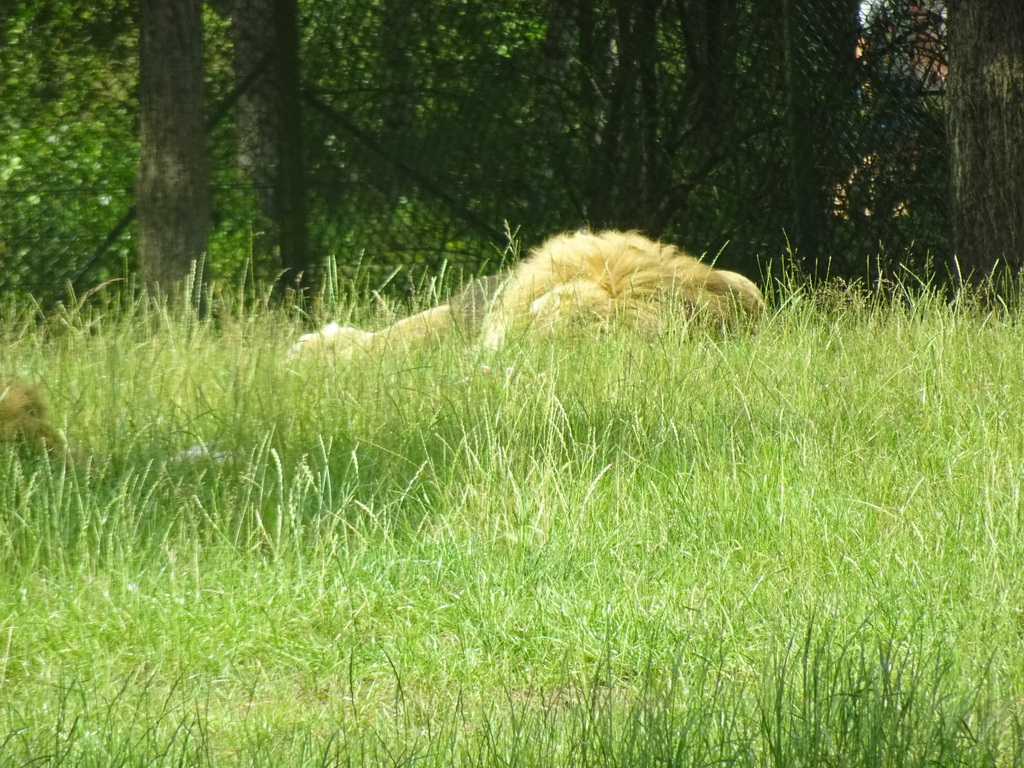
[[579, 279], [24, 417]]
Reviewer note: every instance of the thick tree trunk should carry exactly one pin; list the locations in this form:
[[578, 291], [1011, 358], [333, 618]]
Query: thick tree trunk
[[627, 175], [172, 194], [291, 179], [257, 121], [985, 122], [553, 84], [268, 122], [804, 178]]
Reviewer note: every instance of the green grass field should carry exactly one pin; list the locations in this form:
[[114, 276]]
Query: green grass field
[[799, 547]]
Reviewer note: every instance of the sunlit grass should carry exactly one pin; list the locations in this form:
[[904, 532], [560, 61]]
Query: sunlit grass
[[801, 546]]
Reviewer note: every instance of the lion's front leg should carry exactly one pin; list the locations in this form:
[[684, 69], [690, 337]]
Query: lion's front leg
[[331, 338], [345, 341]]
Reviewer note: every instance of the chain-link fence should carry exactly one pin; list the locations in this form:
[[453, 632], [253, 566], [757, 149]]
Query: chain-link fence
[[741, 129]]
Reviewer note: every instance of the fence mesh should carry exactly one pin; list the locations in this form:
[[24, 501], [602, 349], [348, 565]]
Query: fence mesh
[[738, 129]]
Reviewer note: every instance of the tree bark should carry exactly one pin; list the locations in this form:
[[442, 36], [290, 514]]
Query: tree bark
[[298, 267], [804, 183], [172, 193], [985, 124], [626, 178], [268, 124], [257, 120]]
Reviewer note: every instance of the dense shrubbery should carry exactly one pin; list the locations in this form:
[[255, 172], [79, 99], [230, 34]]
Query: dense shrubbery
[[428, 126]]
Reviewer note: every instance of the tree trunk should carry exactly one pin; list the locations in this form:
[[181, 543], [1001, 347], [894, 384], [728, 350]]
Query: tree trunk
[[985, 123], [626, 183], [268, 123], [804, 185], [257, 121], [299, 269], [172, 194], [554, 82]]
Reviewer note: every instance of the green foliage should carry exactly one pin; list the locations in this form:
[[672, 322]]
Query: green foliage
[[67, 159], [429, 125], [69, 117]]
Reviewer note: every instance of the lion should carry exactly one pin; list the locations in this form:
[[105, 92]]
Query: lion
[[572, 280], [24, 416]]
